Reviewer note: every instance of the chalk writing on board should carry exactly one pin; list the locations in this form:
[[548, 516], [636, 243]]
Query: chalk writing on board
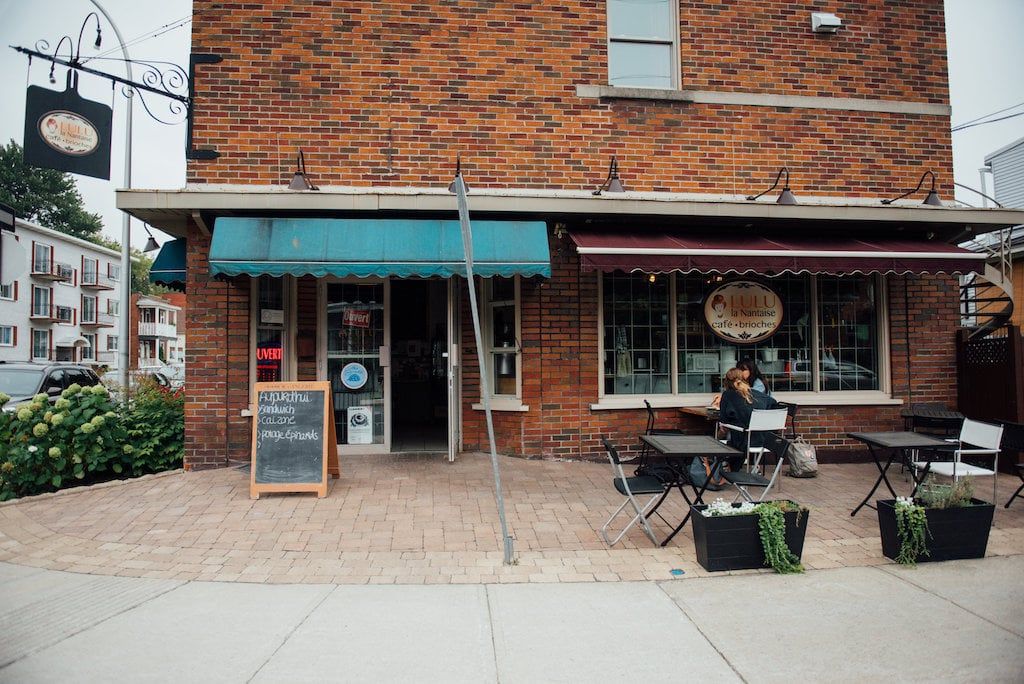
[[289, 436]]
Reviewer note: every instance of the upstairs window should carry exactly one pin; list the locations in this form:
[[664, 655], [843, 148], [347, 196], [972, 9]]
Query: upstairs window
[[642, 43]]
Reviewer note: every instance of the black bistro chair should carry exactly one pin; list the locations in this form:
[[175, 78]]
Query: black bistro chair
[[1013, 441], [665, 473]]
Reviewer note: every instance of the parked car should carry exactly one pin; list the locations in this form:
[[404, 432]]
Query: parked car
[[22, 381], [838, 375]]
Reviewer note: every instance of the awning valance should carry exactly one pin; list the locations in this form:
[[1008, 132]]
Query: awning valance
[[375, 247], [732, 253], [169, 266]]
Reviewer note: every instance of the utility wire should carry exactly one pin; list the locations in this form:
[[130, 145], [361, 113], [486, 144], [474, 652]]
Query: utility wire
[[989, 114], [982, 123]]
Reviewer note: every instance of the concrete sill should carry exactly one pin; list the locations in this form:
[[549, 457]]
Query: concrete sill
[[503, 404]]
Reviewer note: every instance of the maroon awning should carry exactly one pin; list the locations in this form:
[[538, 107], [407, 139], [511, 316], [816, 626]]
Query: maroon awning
[[732, 253]]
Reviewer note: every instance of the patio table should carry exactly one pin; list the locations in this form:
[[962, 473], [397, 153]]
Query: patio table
[[671, 448], [899, 444]]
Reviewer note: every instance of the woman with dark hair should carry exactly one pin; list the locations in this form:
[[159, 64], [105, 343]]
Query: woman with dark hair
[[753, 377]]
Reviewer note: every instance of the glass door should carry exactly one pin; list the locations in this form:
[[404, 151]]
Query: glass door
[[357, 364]]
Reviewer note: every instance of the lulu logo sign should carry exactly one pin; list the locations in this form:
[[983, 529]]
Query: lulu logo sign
[[743, 312], [66, 132]]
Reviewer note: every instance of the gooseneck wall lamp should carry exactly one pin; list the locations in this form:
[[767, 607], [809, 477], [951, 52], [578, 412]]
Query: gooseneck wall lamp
[[151, 245], [612, 182], [785, 197], [300, 181], [931, 200]]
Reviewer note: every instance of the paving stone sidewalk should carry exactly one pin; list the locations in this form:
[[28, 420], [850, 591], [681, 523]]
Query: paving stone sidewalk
[[412, 520]]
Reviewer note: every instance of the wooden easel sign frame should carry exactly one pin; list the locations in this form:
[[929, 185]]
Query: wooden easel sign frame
[[293, 438]]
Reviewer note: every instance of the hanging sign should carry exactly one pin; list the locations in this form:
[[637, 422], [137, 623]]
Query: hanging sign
[[743, 312], [66, 132]]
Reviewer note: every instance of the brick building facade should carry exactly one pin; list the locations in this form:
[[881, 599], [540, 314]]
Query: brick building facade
[[537, 99]]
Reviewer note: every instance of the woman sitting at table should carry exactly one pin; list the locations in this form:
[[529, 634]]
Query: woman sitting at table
[[752, 376], [738, 402]]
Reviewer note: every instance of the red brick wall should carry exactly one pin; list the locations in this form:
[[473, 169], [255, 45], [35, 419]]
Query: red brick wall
[[216, 362], [385, 93]]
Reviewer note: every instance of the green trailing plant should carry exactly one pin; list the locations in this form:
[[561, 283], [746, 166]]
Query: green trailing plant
[[912, 529], [771, 527]]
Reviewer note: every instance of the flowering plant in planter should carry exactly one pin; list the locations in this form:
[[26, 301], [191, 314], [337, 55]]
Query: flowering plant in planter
[[780, 529], [943, 522]]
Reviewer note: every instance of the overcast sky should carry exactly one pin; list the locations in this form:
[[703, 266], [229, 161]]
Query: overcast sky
[[985, 70]]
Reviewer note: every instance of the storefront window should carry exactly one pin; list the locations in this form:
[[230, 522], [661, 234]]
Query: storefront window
[[835, 317], [847, 350], [636, 334], [501, 338], [269, 330]]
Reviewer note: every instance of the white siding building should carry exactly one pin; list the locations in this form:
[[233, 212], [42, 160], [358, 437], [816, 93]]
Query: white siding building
[[1007, 165], [59, 298]]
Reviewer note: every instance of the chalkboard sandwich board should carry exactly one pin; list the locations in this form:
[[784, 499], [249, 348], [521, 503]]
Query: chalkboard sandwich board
[[293, 439]]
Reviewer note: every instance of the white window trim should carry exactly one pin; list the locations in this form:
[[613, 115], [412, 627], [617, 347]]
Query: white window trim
[[10, 329], [673, 44], [91, 346], [95, 271], [880, 397], [32, 350], [115, 340], [10, 285], [49, 301], [115, 305], [95, 309], [502, 402]]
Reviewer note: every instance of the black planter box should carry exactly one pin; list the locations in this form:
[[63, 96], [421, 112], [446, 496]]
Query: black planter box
[[732, 542], [954, 532]]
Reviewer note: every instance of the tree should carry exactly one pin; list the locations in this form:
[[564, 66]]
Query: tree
[[44, 196]]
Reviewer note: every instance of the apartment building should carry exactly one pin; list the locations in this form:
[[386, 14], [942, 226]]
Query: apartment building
[[59, 298], [159, 337]]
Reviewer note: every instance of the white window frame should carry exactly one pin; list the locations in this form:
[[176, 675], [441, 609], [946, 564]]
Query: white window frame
[[9, 288], [32, 351], [49, 301], [90, 346], [95, 271], [95, 309], [113, 307], [6, 335], [673, 49], [61, 321], [49, 257], [501, 402], [112, 343], [881, 396], [114, 271]]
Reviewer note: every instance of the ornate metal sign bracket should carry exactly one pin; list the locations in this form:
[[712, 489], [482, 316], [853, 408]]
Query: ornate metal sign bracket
[[165, 79]]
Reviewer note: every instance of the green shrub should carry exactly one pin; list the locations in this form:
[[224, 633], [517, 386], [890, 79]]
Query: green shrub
[[86, 437], [79, 436], [155, 424]]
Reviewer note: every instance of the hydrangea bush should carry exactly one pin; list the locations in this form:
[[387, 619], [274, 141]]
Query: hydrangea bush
[[82, 437]]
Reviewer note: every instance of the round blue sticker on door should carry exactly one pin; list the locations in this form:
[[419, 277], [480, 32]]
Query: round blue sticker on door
[[354, 375]]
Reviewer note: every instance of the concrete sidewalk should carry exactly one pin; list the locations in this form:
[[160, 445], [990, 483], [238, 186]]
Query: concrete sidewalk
[[954, 621]]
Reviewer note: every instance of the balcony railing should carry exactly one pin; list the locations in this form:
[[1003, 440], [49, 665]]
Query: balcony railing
[[99, 320], [97, 281], [148, 329], [48, 269]]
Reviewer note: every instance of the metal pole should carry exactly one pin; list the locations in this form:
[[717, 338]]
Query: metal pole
[[124, 326], [485, 389]]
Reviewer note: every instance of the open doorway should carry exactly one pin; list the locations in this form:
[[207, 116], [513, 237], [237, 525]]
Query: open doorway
[[419, 383]]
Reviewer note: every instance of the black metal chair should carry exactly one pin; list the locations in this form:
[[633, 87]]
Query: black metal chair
[[664, 473], [743, 480], [1013, 440], [791, 410], [631, 487]]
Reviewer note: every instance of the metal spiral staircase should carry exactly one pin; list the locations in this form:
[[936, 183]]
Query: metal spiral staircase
[[986, 299]]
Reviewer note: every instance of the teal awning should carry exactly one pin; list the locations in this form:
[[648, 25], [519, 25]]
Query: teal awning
[[169, 266], [375, 247]]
